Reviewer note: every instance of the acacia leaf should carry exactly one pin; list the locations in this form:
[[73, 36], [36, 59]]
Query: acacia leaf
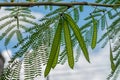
[[103, 22], [19, 35], [76, 15], [81, 8], [7, 40]]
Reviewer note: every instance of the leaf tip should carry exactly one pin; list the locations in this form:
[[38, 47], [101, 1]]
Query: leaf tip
[[72, 67], [45, 74], [53, 66], [88, 59], [92, 47]]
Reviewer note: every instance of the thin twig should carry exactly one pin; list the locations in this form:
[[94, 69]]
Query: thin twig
[[31, 4]]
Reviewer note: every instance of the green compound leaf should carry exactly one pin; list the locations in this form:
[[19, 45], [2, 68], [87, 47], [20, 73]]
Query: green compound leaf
[[81, 8], [55, 45], [19, 35], [76, 15], [7, 40], [78, 35], [103, 22], [68, 43]]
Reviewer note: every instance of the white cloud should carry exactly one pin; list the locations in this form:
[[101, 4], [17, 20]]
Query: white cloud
[[7, 55], [37, 15]]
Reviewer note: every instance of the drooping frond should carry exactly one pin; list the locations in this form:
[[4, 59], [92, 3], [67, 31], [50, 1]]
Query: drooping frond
[[37, 37], [12, 72], [116, 49], [113, 30], [112, 33], [33, 62]]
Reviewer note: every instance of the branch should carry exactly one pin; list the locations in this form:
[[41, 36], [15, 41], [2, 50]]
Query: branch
[[31, 4]]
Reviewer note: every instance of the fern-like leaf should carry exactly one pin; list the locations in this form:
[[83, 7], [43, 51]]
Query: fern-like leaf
[[19, 35], [7, 40]]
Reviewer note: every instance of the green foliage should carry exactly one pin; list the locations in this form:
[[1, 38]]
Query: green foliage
[[111, 60], [81, 8], [91, 16], [76, 14], [19, 35], [12, 71], [32, 65], [33, 62], [14, 22], [9, 37], [107, 1], [103, 23], [59, 29]]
